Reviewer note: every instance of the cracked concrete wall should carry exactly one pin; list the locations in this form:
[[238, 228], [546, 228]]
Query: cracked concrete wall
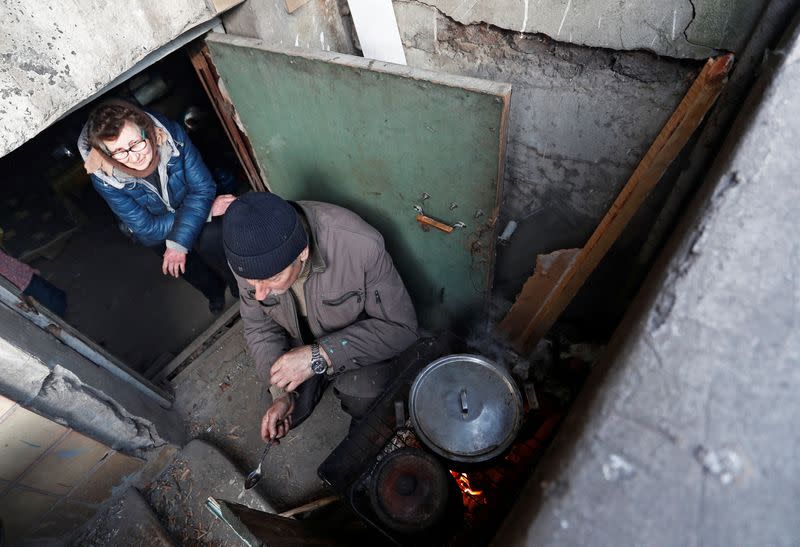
[[316, 25], [580, 121], [56, 54], [686, 434], [675, 28], [44, 375]]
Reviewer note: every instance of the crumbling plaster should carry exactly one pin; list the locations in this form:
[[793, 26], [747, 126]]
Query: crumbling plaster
[[46, 376], [580, 121], [675, 28], [315, 25], [53, 54]]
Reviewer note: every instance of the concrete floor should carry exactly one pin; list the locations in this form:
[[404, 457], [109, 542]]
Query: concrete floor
[[117, 294], [222, 401]]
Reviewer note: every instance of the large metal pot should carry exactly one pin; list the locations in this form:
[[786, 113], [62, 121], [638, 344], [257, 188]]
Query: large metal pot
[[465, 408]]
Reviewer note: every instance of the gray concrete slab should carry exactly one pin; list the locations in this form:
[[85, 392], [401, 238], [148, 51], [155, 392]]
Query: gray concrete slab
[[674, 28], [129, 521], [223, 401], [179, 494], [315, 25], [45, 375], [56, 55]]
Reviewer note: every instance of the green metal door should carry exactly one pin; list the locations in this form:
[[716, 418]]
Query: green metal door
[[379, 139]]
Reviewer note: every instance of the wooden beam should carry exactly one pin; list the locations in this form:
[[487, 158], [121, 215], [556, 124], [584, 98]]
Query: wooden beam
[[310, 506], [540, 315], [204, 67]]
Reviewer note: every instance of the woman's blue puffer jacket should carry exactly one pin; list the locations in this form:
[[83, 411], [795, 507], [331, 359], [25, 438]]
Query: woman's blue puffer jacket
[[191, 191]]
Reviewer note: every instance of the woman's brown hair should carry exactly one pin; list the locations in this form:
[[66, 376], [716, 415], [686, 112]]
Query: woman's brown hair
[[107, 120]]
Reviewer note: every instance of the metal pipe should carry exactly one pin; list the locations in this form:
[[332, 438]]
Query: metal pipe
[[509, 230]]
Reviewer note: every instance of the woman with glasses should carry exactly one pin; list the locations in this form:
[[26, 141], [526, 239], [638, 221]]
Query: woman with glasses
[[156, 183]]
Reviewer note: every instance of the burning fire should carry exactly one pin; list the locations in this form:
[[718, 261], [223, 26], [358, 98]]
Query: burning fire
[[463, 483]]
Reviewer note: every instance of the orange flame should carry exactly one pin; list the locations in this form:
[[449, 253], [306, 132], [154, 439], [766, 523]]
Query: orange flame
[[463, 483]]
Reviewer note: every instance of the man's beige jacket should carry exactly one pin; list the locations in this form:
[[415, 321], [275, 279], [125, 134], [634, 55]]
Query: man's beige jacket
[[358, 308]]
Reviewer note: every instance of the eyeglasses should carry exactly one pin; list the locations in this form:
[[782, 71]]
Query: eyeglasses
[[138, 146]]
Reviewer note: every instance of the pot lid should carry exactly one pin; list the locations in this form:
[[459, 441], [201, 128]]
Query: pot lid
[[465, 408]]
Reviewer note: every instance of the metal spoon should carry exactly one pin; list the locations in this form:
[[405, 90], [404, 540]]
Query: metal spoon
[[255, 475]]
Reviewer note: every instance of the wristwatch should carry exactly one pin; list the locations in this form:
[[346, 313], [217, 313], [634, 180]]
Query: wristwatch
[[318, 364]]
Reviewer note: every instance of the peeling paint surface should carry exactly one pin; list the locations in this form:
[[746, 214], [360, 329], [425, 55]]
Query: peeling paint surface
[[55, 54], [691, 29]]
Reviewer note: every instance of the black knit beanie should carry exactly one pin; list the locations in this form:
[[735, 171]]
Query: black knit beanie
[[262, 235]]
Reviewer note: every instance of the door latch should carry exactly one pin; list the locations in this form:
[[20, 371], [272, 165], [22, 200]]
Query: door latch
[[430, 222]]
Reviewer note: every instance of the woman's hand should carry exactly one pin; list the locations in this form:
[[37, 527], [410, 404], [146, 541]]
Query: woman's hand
[[174, 263], [221, 204]]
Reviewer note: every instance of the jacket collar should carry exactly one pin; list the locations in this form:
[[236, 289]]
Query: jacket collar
[[311, 224]]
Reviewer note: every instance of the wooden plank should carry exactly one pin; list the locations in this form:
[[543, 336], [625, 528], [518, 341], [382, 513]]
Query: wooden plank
[[253, 526], [204, 67], [310, 506], [666, 147], [376, 137]]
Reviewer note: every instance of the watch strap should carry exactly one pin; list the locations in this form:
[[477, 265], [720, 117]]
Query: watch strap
[[318, 364]]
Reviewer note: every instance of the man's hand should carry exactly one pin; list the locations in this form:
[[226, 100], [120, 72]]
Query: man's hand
[[278, 419], [174, 263], [292, 368], [221, 204]]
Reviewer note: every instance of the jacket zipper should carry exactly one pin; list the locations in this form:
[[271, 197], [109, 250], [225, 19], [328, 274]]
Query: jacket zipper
[[156, 192], [296, 319], [380, 303], [153, 189], [344, 298], [308, 313]]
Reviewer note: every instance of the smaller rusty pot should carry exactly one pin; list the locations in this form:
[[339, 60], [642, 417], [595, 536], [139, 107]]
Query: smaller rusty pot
[[409, 490]]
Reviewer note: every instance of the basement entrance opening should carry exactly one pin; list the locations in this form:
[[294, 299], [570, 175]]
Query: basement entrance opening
[[53, 219]]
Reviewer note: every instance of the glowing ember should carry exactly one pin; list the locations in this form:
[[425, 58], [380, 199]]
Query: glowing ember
[[463, 483]]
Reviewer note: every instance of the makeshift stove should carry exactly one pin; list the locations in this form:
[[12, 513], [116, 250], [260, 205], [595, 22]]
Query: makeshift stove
[[413, 495]]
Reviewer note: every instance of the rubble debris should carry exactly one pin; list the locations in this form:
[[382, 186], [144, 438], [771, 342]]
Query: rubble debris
[[724, 464], [617, 468]]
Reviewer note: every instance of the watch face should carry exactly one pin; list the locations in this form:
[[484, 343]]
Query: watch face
[[319, 366]]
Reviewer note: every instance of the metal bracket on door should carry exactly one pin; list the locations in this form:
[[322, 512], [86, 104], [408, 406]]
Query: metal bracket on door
[[430, 222]]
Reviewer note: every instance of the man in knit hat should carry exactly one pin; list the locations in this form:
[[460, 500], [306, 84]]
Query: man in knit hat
[[321, 303]]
